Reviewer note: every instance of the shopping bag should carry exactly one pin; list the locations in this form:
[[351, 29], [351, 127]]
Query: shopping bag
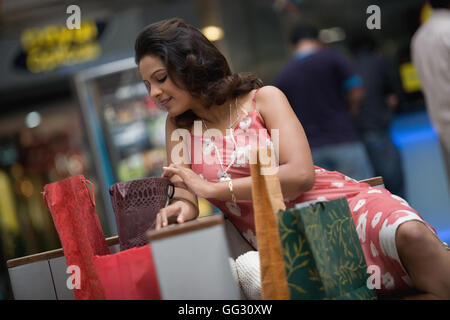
[[73, 211], [136, 204], [128, 275], [322, 252], [267, 201]]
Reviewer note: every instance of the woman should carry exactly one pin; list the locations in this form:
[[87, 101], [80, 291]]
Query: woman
[[215, 112]]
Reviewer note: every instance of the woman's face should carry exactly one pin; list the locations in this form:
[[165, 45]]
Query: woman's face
[[161, 87]]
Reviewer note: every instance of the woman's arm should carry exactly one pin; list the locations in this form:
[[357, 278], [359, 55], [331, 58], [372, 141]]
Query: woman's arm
[[296, 170], [184, 205]]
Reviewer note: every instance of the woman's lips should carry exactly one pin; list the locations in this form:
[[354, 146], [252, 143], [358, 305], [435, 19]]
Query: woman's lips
[[165, 102]]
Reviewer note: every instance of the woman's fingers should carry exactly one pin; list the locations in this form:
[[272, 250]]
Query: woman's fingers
[[180, 218], [170, 171], [158, 221], [164, 218], [167, 173], [169, 214]]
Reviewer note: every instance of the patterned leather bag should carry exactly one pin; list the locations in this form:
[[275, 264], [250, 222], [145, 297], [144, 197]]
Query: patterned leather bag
[[136, 204], [73, 211]]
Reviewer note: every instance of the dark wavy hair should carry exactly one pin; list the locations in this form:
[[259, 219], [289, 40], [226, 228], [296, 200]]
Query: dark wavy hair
[[191, 58]]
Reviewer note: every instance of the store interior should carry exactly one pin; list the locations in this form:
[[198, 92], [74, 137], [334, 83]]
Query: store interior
[[74, 104]]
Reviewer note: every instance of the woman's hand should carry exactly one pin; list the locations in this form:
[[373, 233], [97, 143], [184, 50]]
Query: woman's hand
[[179, 211], [195, 184]]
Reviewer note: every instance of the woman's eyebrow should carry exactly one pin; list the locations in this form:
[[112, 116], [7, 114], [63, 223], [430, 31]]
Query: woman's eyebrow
[[162, 69]]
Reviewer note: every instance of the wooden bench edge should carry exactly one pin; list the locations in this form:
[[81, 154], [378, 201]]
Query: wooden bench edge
[[47, 255], [373, 182]]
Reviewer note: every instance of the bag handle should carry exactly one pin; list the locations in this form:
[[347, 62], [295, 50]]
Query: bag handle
[[263, 170], [267, 201], [171, 189], [93, 190], [171, 192]]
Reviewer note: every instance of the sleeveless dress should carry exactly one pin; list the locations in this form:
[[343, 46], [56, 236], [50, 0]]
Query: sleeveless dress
[[376, 212]]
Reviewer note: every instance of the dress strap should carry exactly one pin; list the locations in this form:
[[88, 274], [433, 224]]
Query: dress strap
[[254, 99]]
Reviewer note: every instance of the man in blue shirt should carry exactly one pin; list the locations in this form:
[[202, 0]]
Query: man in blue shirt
[[324, 92]]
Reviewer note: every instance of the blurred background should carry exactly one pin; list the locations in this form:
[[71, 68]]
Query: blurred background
[[71, 101]]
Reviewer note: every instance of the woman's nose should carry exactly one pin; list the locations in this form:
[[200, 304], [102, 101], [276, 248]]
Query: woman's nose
[[155, 92]]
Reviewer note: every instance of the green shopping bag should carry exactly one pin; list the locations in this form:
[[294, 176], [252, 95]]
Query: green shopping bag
[[322, 253]]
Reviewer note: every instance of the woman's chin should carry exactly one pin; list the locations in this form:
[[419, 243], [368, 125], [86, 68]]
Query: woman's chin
[[174, 112]]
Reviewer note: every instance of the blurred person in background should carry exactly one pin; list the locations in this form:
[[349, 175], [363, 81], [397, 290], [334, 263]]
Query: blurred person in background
[[430, 50], [383, 92], [324, 92]]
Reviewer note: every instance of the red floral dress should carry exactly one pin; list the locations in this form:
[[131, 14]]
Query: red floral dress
[[376, 212]]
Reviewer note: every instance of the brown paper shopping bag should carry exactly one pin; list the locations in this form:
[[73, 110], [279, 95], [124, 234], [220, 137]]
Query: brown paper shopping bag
[[267, 201]]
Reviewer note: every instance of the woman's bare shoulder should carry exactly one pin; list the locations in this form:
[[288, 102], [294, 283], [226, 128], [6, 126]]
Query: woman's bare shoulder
[[261, 96], [269, 96], [269, 93], [269, 90]]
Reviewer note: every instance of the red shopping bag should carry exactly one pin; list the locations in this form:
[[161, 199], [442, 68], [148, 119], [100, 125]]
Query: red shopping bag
[[73, 212], [128, 275]]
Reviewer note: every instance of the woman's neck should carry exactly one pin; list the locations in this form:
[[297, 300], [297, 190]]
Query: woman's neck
[[215, 115]]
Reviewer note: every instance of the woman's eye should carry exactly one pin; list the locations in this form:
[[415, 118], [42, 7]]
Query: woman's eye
[[161, 79]]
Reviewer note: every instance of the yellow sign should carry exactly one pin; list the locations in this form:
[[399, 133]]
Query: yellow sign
[[410, 79], [53, 46], [425, 13]]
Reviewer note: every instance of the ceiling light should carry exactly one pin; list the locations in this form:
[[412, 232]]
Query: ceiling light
[[213, 33], [332, 35], [33, 119]]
